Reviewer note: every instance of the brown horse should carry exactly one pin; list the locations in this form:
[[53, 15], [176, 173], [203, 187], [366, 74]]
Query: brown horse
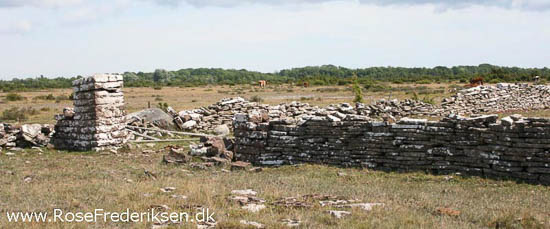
[[306, 84], [262, 83], [476, 82]]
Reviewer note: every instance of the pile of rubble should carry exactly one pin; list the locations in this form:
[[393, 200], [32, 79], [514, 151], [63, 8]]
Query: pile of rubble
[[482, 99], [28, 135], [98, 118], [218, 117], [208, 118], [499, 98]]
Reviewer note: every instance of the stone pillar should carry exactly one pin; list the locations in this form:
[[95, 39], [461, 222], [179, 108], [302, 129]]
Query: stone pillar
[[98, 119]]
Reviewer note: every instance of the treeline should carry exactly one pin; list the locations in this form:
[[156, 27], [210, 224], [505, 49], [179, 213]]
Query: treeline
[[319, 75]]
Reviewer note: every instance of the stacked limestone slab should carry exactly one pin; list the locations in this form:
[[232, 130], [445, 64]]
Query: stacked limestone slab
[[514, 146], [97, 121]]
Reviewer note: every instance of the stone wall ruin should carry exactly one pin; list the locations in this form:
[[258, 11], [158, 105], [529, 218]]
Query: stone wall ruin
[[513, 147], [97, 120], [482, 99]]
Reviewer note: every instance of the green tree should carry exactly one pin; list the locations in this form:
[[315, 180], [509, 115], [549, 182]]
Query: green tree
[[357, 90], [160, 76]]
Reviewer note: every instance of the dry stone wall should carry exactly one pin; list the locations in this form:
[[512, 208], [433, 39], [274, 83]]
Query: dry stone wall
[[97, 120], [513, 147]]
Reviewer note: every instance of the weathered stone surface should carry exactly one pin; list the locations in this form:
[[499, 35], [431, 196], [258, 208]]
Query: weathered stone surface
[[222, 130], [175, 155], [481, 145], [97, 120], [153, 115]]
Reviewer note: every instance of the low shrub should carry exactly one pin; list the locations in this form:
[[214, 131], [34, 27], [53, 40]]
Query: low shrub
[[18, 114], [256, 99], [14, 97], [45, 97]]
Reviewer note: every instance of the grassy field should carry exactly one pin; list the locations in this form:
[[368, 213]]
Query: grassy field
[[77, 182], [81, 182]]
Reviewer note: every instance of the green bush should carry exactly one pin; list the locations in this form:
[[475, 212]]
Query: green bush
[[426, 99], [424, 81], [45, 97], [328, 89], [375, 87], [357, 91], [256, 99], [163, 106], [18, 114], [14, 97]]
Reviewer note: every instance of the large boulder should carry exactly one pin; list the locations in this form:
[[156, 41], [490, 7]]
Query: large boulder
[[222, 130], [154, 115], [216, 147], [189, 125], [35, 134]]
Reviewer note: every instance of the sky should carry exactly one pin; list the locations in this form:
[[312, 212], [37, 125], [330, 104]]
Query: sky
[[81, 37]]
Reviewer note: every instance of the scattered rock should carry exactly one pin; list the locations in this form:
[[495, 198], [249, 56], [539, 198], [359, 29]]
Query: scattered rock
[[253, 207], [256, 169], [239, 165], [251, 223], [27, 179], [181, 197], [365, 206], [292, 202], [175, 155], [206, 225], [189, 124], [222, 130], [162, 207], [339, 214], [168, 189], [245, 192], [291, 222]]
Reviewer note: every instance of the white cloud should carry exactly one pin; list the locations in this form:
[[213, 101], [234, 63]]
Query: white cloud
[[39, 3], [16, 27], [537, 5]]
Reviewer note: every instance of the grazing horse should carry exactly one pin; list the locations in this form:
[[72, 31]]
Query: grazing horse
[[306, 84], [476, 82], [262, 83]]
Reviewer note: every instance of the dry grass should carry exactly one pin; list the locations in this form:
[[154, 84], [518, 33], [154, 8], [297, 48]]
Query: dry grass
[[86, 181]]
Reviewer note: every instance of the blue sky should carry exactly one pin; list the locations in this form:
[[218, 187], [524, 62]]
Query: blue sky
[[78, 37]]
